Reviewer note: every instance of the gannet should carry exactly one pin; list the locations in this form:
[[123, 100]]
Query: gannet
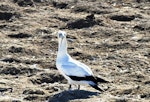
[[74, 71]]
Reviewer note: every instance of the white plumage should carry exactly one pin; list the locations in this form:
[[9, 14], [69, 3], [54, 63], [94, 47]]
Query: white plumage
[[74, 71]]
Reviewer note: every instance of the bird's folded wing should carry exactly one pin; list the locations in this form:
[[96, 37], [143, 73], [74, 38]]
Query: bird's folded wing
[[75, 69]]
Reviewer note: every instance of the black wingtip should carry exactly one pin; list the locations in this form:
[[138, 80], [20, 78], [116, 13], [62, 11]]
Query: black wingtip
[[97, 88]]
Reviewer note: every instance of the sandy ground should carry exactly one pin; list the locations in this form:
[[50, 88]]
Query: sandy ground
[[111, 36]]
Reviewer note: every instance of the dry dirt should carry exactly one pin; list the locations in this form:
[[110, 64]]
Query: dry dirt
[[111, 36]]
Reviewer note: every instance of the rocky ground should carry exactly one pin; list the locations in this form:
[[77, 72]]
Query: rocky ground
[[111, 36]]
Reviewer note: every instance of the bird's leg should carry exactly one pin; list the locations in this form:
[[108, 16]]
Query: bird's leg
[[69, 87], [78, 87]]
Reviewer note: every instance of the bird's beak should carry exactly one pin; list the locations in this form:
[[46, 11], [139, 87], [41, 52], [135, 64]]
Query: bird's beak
[[61, 40]]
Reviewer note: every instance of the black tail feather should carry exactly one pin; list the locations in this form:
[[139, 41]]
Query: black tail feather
[[101, 80], [95, 80], [89, 78], [97, 88]]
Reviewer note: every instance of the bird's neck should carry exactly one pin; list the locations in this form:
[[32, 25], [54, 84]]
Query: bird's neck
[[62, 49]]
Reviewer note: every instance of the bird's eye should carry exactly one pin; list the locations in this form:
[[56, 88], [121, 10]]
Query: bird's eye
[[60, 35]]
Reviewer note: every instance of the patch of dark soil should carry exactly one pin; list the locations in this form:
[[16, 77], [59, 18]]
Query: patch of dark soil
[[3, 26], [10, 60], [77, 54], [124, 18], [147, 82], [31, 97], [44, 33], [5, 89], [31, 62], [29, 71], [144, 39], [30, 11], [62, 19], [14, 49], [80, 8], [43, 30], [98, 34], [142, 27], [47, 37], [36, 98], [30, 91], [47, 64], [71, 37], [10, 70], [71, 95], [20, 35], [24, 3], [53, 44], [48, 78], [18, 71], [121, 100], [84, 56], [6, 8], [138, 77], [6, 15], [140, 1], [127, 91], [98, 8], [124, 45], [79, 24], [137, 27], [145, 95], [54, 88], [15, 100], [25, 52], [10, 27], [39, 1], [60, 5], [83, 23]]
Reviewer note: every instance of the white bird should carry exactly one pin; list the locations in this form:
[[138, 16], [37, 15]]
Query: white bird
[[74, 71]]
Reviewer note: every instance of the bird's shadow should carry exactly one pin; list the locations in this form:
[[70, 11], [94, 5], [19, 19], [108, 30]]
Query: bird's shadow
[[66, 96]]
